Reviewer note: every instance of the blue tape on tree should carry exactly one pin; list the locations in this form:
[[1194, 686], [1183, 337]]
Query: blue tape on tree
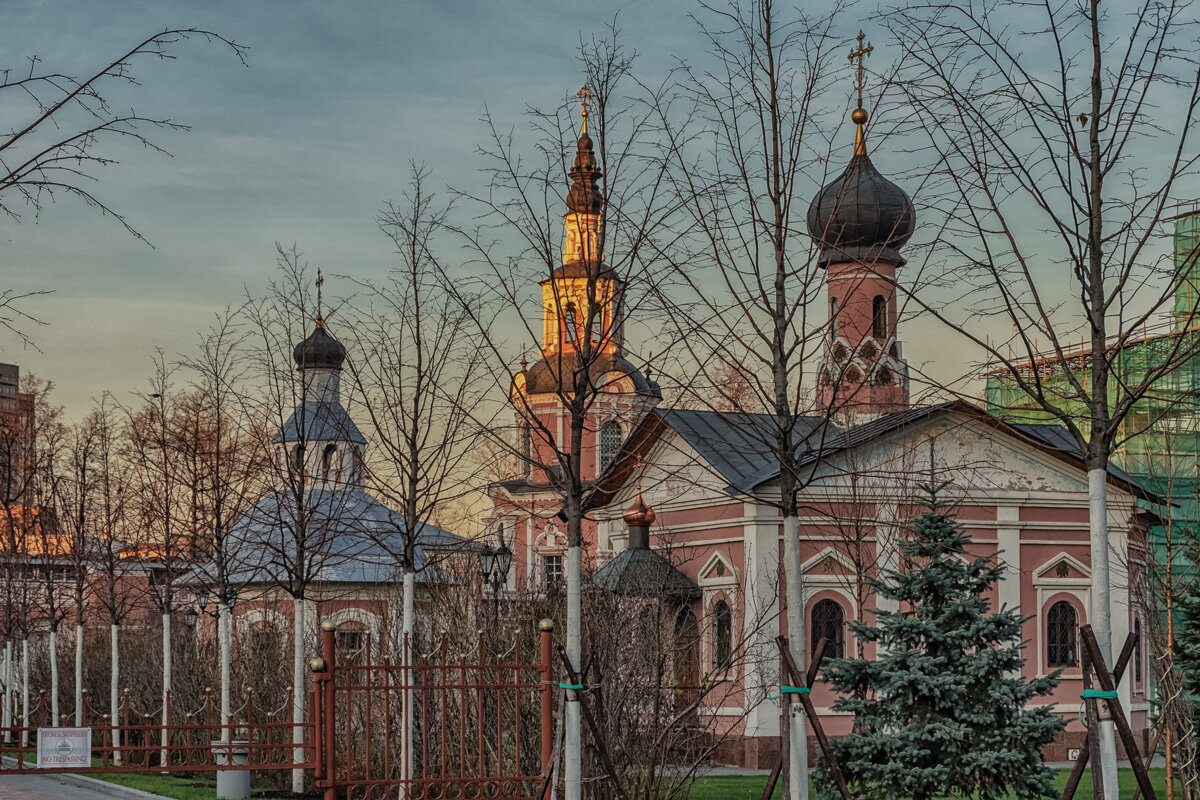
[[574, 686], [1099, 694], [795, 690]]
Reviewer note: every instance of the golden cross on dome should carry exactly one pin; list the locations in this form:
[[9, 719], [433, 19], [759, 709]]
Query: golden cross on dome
[[319, 283], [860, 78], [585, 96]]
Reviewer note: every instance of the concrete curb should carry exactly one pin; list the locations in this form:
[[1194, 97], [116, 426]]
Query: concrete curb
[[104, 787]]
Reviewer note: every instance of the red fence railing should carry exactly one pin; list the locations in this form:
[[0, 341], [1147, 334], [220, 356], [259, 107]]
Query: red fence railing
[[482, 728], [170, 740]]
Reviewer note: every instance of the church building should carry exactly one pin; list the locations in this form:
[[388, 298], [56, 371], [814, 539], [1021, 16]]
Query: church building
[[695, 486]]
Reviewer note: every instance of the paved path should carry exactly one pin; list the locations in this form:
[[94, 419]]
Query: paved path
[[56, 787]]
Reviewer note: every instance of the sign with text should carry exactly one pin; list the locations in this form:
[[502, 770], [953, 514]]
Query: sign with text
[[64, 747]]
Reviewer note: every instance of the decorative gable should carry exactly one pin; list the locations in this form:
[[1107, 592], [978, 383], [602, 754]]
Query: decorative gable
[[1062, 569], [717, 571]]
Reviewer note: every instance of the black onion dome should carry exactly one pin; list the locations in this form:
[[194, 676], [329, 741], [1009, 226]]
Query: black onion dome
[[585, 197], [861, 216], [319, 351]]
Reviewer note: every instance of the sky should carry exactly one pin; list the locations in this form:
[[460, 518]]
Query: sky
[[301, 146]]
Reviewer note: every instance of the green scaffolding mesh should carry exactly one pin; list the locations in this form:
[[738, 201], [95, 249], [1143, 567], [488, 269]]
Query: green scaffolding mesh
[[1159, 441]]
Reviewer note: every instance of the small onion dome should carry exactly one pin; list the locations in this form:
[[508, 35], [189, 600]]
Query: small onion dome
[[585, 197], [319, 351], [861, 216], [639, 513]]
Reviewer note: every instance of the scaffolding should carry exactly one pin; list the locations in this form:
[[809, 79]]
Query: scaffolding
[[1159, 440]]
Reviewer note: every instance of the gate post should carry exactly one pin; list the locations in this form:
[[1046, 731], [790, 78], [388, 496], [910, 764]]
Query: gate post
[[327, 652], [546, 629]]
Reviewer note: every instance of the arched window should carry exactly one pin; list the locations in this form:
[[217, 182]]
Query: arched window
[[610, 442], [571, 323], [327, 457], [1062, 625], [833, 317], [828, 621], [298, 458], [722, 649], [350, 644], [879, 317]]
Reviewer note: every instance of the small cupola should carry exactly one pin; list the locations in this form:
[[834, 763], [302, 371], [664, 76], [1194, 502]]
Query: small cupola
[[319, 350]]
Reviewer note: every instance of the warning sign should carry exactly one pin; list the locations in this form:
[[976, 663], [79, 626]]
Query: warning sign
[[64, 747]]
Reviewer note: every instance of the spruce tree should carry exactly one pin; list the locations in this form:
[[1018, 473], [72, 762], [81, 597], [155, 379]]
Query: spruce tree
[[941, 711]]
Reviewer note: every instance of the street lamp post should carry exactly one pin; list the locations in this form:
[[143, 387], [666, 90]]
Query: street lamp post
[[494, 563]]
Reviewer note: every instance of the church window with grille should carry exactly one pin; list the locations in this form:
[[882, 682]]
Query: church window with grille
[[1137, 650], [1062, 625], [552, 569], [879, 317], [327, 458], [610, 443], [828, 621], [722, 651]]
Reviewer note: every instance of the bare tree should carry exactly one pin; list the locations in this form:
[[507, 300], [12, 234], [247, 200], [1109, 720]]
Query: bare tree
[[1060, 134], [111, 529], [159, 493], [66, 121], [304, 522], [419, 375], [748, 286], [589, 285], [220, 472]]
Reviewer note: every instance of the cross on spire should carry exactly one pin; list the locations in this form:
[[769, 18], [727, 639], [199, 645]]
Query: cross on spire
[[585, 96], [319, 283], [860, 78]]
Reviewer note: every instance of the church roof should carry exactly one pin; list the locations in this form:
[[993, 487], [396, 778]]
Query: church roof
[[642, 572], [736, 445], [861, 216], [319, 421], [352, 536]]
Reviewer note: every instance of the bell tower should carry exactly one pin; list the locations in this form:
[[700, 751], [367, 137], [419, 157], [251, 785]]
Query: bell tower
[[860, 221]]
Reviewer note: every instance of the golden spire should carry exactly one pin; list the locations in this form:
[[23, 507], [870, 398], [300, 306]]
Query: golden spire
[[859, 116], [585, 97], [320, 282]]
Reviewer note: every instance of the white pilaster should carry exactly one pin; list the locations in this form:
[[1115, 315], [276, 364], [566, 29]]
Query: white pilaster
[[760, 578]]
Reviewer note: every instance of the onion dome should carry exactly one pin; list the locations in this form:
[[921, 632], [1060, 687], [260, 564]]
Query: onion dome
[[861, 216], [639, 513], [319, 350]]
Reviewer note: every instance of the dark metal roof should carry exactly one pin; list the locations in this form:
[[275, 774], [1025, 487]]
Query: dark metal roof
[[737, 445], [861, 216], [353, 538], [585, 197], [319, 350], [641, 572], [319, 421]]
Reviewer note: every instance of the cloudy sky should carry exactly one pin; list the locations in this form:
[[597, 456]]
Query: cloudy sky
[[301, 146]]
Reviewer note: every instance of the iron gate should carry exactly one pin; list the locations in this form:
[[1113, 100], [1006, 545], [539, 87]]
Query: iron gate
[[477, 729]]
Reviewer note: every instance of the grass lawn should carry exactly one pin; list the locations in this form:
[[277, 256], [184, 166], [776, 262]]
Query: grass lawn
[[750, 787], [202, 786]]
